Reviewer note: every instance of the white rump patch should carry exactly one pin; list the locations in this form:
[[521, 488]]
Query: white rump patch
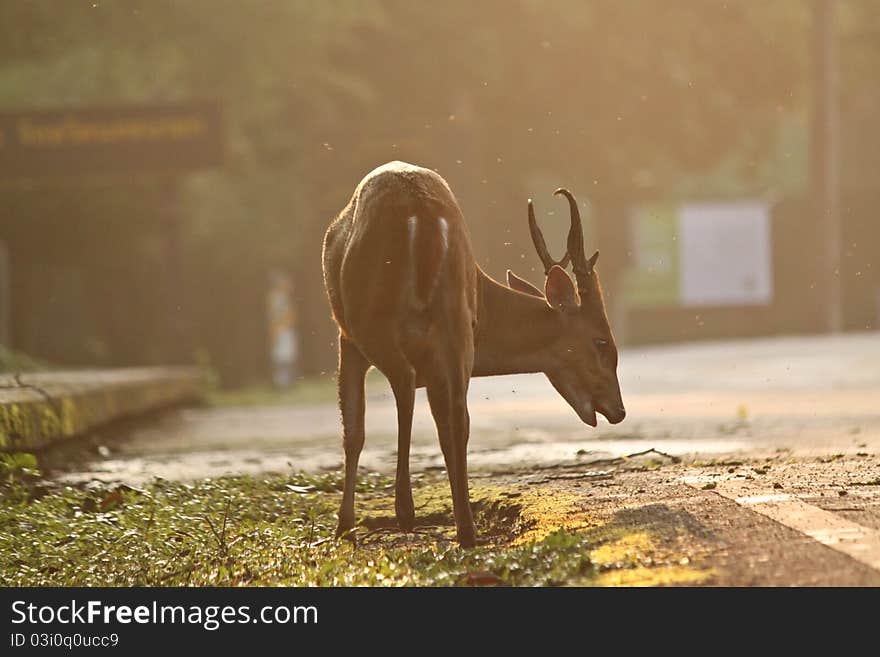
[[412, 225], [444, 232]]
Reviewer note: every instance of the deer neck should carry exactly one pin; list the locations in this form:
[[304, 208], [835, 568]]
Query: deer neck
[[513, 330]]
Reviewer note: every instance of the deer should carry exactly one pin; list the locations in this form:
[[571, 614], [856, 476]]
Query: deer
[[409, 299]]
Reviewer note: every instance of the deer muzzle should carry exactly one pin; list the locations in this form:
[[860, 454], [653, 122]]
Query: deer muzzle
[[614, 415]]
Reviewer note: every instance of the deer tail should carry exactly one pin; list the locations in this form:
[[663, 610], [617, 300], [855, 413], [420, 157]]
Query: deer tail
[[428, 244]]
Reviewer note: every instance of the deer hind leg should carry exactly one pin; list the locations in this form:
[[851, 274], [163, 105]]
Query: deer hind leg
[[403, 385], [353, 368], [448, 398]]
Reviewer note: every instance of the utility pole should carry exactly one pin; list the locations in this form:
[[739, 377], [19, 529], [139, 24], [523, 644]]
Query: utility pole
[[825, 166]]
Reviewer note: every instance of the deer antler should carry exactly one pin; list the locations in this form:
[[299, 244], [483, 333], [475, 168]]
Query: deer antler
[[541, 245], [582, 267]]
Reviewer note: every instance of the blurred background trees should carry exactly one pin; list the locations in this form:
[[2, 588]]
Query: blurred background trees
[[505, 98]]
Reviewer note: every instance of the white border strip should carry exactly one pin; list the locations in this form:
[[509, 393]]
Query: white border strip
[[855, 540]]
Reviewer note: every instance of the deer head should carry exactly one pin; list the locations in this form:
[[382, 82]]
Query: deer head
[[581, 362]]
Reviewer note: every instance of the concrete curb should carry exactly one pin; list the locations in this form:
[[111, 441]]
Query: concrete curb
[[54, 406]]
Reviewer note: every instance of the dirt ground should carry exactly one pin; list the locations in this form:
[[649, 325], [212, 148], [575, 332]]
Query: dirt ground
[[766, 469], [658, 522]]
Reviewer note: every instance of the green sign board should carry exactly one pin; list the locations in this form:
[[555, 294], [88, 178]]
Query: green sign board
[[653, 278], [124, 139]]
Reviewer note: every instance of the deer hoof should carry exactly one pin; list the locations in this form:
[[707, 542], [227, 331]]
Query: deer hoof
[[467, 538], [345, 530], [405, 512]]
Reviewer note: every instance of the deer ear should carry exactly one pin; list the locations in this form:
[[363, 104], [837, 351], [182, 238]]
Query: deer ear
[[514, 282], [559, 290]]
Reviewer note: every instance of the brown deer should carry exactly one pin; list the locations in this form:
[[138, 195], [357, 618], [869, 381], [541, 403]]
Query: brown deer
[[410, 299]]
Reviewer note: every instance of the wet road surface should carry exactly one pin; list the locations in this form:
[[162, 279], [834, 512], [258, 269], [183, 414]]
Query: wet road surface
[[803, 396]]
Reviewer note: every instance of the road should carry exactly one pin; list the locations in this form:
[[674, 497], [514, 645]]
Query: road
[[808, 396]]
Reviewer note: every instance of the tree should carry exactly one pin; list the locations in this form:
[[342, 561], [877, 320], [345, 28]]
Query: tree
[[505, 98]]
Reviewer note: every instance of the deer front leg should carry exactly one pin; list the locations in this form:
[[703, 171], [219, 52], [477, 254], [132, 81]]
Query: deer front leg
[[404, 390], [353, 368], [448, 401]]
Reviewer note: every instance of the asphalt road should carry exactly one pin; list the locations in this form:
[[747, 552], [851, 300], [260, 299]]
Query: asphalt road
[[807, 396]]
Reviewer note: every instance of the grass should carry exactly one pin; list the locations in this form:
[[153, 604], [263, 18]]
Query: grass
[[243, 531], [313, 390], [278, 530], [15, 361]]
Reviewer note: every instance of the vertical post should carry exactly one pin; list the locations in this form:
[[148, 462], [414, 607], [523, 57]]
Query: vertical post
[[282, 329], [824, 173]]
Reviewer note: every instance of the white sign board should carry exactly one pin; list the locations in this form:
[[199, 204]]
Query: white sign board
[[724, 254]]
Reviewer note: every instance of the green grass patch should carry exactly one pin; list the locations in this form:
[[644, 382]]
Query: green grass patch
[[15, 361], [248, 531], [314, 390], [279, 530]]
